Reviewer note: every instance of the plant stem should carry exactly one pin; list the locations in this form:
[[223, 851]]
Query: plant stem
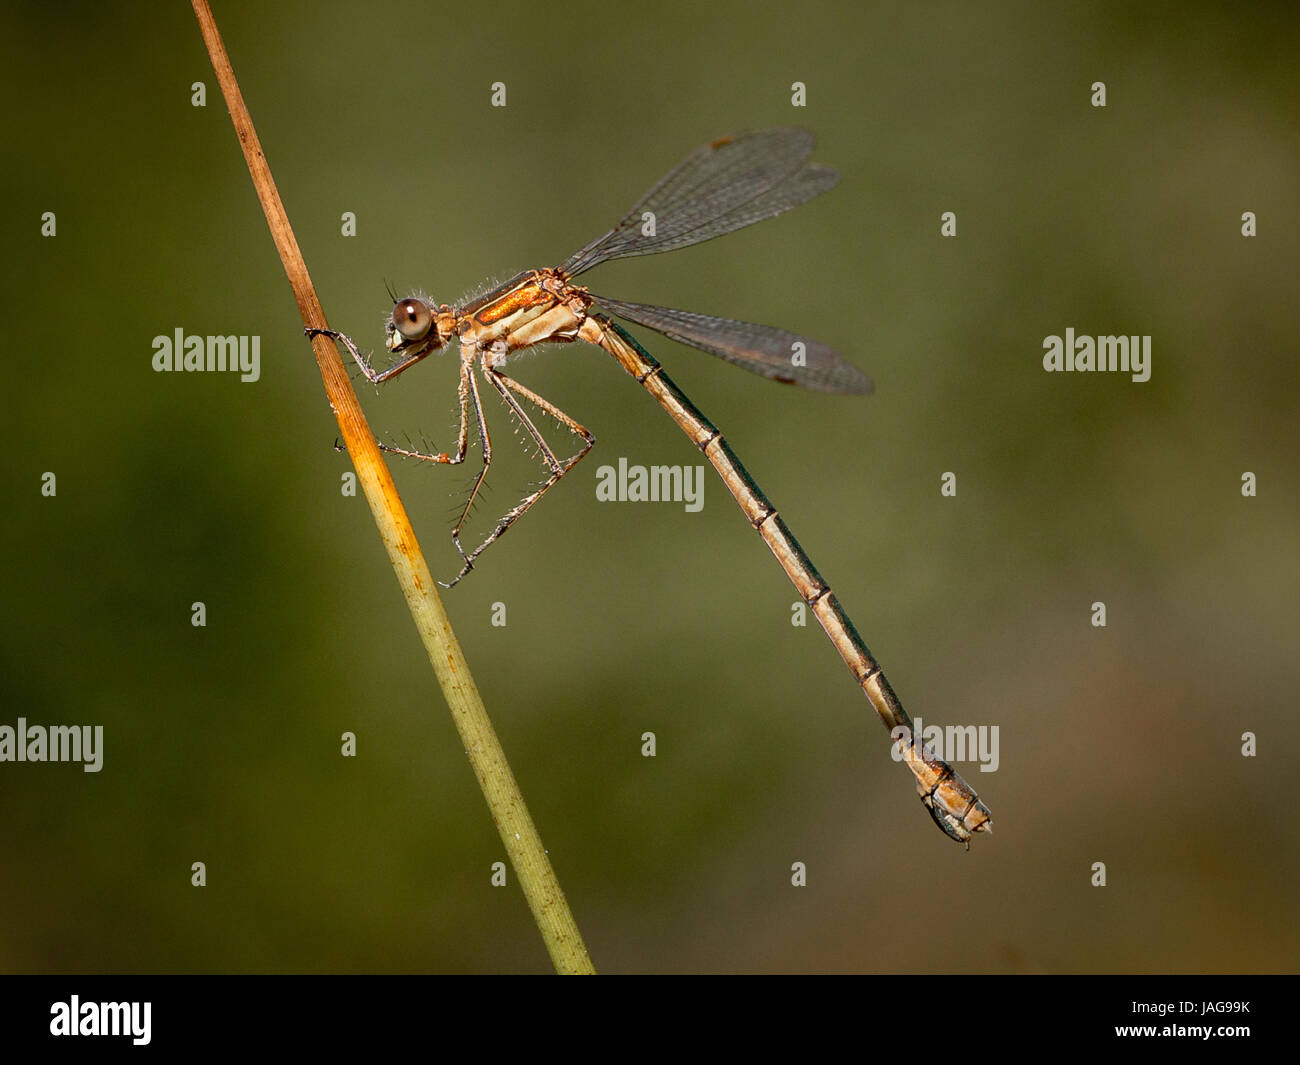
[[505, 801]]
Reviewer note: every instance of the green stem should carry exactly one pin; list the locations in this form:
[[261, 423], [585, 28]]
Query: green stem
[[505, 801]]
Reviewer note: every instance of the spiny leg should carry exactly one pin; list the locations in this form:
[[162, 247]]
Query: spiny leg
[[507, 385], [377, 377], [441, 458], [470, 386], [462, 437]]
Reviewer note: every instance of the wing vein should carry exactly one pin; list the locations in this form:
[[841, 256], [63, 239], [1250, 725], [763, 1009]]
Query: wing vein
[[776, 354]]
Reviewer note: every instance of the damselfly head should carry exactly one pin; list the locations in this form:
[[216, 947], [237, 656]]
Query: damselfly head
[[414, 323], [412, 318]]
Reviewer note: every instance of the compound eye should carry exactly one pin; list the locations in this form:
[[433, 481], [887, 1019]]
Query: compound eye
[[412, 318]]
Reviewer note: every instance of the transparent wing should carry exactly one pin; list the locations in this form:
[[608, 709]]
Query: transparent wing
[[718, 188], [761, 349]]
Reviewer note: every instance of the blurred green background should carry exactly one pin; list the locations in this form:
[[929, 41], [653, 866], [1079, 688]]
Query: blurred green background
[[1118, 745]]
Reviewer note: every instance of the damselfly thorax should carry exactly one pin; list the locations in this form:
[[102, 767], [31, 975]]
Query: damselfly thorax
[[533, 307]]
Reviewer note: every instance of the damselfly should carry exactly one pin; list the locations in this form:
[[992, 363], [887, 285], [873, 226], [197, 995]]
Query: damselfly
[[721, 187]]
